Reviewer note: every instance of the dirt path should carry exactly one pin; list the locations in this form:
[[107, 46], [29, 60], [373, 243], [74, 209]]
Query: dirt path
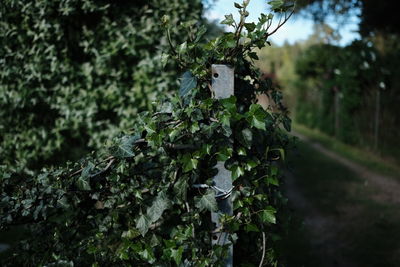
[[328, 232], [324, 230], [388, 189]]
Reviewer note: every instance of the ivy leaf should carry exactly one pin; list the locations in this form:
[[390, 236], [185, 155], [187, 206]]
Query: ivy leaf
[[124, 148], [268, 215], [237, 171], [83, 181], [147, 254], [257, 116], [180, 188], [224, 154], [164, 59], [241, 151], [276, 4], [159, 205], [287, 123], [206, 201], [200, 32], [237, 5], [251, 228], [176, 254], [253, 55], [182, 48], [143, 224], [273, 180], [228, 20], [63, 202], [194, 127], [258, 123], [173, 134], [246, 137], [188, 83], [189, 163], [250, 26], [130, 234]]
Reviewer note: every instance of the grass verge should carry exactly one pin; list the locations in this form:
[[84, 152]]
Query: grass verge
[[366, 158]]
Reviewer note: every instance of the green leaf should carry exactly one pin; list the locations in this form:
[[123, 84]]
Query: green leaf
[[159, 205], [258, 123], [257, 116], [173, 134], [224, 154], [268, 215], [124, 148], [83, 181], [164, 59], [182, 48], [206, 201], [273, 180], [206, 148], [194, 127], [237, 5], [237, 171], [287, 122], [251, 228], [188, 83], [130, 234], [63, 202], [250, 26], [147, 254], [229, 104], [200, 32], [246, 137], [180, 188], [142, 224], [253, 55], [176, 254], [189, 163], [228, 20], [276, 4], [241, 151], [250, 164]]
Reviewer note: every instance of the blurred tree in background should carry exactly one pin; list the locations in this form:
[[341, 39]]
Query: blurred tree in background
[[73, 73], [350, 92], [375, 16]]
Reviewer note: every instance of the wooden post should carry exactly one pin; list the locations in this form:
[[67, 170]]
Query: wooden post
[[223, 87], [377, 117]]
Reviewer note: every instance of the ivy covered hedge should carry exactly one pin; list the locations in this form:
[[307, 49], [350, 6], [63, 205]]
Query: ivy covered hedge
[[135, 204], [74, 73]]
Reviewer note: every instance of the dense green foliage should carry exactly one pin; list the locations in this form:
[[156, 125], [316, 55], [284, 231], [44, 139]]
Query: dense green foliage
[[135, 204], [351, 95], [73, 73]]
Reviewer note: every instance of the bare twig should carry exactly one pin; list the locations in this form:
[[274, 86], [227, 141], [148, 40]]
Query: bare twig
[[280, 24], [105, 169], [263, 250], [160, 113]]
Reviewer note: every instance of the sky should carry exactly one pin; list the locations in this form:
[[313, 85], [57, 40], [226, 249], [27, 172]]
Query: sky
[[296, 29]]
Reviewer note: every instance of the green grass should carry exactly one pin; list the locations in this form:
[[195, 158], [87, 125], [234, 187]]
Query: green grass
[[371, 229], [366, 158]]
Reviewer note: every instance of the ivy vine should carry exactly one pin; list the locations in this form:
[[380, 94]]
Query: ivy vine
[[136, 204]]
